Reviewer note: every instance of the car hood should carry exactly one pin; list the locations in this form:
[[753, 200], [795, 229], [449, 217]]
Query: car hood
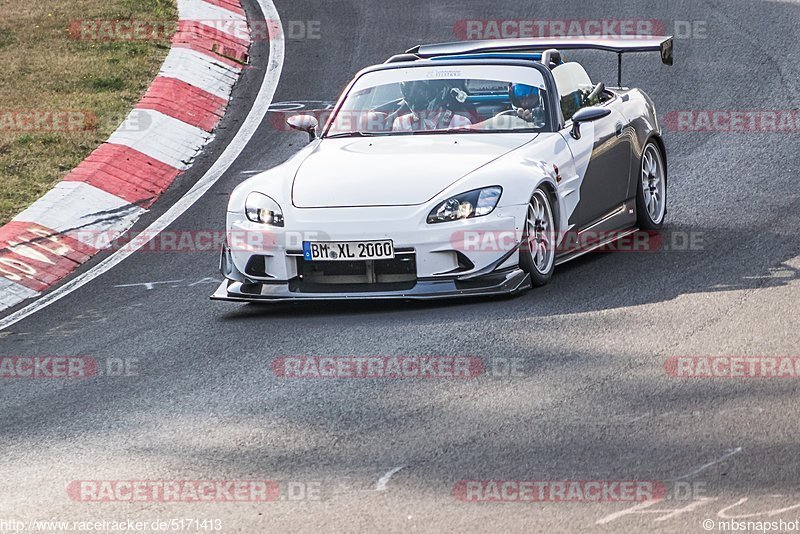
[[394, 170]]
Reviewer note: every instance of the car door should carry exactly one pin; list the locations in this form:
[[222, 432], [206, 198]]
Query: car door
[[605, 165], [602, 153]]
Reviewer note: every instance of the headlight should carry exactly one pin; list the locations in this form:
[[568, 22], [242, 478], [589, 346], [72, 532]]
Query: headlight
[[475, 203], [262, 209]]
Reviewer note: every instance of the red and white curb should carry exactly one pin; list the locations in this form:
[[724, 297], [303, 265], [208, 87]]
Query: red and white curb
[[122, 178]]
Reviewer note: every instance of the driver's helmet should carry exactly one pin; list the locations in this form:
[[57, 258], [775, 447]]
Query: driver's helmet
[[419, 94], [524, 96]]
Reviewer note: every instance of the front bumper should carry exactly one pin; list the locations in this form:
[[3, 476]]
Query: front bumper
[[500, 283], [472, 258]]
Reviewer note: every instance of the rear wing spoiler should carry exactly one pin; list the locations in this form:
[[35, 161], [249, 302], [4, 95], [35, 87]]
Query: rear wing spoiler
[[618, 45]]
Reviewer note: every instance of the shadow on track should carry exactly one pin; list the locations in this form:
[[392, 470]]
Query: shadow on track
[[721, 261]]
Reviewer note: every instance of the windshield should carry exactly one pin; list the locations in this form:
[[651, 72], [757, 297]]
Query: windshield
[[446, 99]]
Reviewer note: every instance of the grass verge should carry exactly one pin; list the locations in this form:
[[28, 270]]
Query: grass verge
[[47, 69]]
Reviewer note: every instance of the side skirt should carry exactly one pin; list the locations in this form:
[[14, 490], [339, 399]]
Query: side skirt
[[612, 227], [577, 254]]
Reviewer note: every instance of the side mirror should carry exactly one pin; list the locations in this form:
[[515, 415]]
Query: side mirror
[[304, 123], [589, 114]]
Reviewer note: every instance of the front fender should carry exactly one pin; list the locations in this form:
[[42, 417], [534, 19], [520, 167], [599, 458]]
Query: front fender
[[275, 183], [544, 162]]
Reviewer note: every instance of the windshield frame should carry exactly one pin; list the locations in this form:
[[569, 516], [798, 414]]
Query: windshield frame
[[554, 119]]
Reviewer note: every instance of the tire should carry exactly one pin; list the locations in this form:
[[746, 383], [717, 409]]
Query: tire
[[651, 194], [538, 251]]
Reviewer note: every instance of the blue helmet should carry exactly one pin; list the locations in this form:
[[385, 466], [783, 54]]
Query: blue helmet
[[520, 93]]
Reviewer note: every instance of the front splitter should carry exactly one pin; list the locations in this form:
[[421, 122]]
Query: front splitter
[[506, 283]]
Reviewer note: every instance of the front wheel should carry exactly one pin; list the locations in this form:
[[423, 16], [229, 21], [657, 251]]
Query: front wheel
[[651, 198], [538, 251]]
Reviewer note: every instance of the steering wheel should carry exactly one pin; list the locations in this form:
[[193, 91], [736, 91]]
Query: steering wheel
[[596, 91]]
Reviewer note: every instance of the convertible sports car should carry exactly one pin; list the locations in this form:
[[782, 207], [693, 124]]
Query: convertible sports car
[[456, 169]]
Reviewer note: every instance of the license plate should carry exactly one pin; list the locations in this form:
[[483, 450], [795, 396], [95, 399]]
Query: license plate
[[348, 250]]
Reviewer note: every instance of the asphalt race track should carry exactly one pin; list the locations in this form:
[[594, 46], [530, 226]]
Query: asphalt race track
[[590, 400]]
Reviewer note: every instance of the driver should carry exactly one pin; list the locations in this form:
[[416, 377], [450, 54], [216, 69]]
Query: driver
[[527, 110], [527, 103], [427, 101]]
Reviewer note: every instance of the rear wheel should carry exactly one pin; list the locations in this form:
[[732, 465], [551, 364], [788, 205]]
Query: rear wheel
[[651, 199], [538, 252]]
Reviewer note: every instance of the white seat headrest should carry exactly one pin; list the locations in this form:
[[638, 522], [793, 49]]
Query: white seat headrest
[[571, 77]]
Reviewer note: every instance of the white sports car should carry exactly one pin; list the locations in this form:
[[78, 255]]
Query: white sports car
[[452, 170]]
